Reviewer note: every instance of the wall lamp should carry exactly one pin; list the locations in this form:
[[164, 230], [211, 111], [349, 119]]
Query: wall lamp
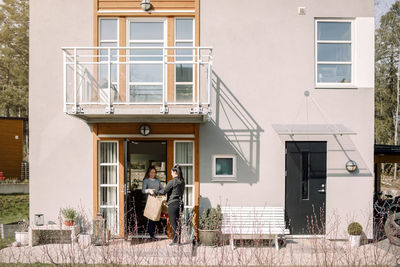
[[145, 5], [351, 166]]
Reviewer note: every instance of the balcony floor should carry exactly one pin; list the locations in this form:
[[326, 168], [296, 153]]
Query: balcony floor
[[131, 113]]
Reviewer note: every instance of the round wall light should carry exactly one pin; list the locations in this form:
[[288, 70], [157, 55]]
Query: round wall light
[[351, 166], [145, 5], [145, 129]]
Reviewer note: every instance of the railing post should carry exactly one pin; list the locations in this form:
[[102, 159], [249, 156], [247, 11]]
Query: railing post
[[198, 80], [209, 83], [75, 110], [109, 108], [163, 109], [65, 80]]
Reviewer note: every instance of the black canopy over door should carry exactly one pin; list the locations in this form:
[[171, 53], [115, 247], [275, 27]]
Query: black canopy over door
[[305, 187]]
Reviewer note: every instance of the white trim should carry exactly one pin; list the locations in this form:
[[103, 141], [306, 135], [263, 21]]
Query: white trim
[[141, 11], [188, 165], [352, 62], [147, 136], [223, 178]]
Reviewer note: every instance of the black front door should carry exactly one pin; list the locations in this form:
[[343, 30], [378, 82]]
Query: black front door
[[305, 187]]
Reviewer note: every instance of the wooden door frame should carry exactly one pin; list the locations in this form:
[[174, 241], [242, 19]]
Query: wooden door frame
[[122, 128]]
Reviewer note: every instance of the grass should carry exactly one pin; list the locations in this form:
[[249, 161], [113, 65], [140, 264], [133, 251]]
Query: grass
[[6, 242], [13, 208]]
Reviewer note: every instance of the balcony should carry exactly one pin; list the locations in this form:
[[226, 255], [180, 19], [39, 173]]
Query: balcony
[[141, 83]]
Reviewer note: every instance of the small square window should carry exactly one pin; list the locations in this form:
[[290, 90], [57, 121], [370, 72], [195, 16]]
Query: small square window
[[224, 168]]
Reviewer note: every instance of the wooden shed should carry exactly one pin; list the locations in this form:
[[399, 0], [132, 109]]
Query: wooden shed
[[11, 146]]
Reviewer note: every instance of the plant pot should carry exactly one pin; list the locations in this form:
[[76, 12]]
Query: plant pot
[[354, 240], [22, 238], [69, 223], [209, 237]]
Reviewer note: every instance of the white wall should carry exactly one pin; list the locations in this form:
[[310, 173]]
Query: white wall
[[263, 63], [61, 164]]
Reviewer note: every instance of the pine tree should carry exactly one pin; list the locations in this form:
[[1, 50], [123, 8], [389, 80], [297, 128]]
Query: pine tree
[[387, 45], [14, 57]]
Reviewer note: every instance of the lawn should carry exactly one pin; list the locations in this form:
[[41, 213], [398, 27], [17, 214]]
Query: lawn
[[13, 208]]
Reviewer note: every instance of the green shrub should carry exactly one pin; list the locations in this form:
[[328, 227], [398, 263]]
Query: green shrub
[[354, 228], [69, 214], [211, 219]]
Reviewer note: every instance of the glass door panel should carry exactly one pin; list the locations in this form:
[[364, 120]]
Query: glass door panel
[[108, 183]]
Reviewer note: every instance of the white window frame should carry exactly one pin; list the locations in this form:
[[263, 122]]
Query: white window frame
[[164, 82], [116, 84], [352, 42], [188, 165], [100, 185], [224, 178], [193, 65]]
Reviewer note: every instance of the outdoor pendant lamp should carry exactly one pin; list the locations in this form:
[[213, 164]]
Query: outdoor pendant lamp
[[145, 5]]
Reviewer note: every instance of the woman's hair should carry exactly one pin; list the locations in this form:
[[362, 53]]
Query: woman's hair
[[147, 175], [178, 171]]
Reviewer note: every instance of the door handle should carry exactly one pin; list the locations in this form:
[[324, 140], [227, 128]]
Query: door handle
[[322, 190]]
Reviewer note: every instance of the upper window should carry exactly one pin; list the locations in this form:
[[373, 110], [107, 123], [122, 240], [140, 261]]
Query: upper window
[[334, 53]]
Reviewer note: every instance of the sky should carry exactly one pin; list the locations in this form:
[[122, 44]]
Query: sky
[[381, 7]]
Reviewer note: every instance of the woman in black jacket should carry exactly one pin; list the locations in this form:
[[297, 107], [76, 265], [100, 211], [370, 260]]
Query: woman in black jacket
[[174, 190]]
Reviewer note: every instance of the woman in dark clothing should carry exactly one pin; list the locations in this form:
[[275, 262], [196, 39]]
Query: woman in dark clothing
[[150, 184], [174, 190]]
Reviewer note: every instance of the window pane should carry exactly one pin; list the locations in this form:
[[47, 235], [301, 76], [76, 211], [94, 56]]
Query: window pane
[[305, 156], [334, 31], [224, 166], [145, 93], [184, 152], [108, 152], [110, 214], [184, 29], [334, 52], [184, 93], [146, 52], [146, 73], [114, 52], [187, 172], [188, 196], [184, 72], [187, 53], [147, 31], [108, 174], [334, 73], [108, 196], [108, 29]]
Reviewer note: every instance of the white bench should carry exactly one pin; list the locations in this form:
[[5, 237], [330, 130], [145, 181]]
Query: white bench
[[254, 223]]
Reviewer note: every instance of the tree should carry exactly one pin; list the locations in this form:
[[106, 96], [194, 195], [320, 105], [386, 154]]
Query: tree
[[387, 44], [387, 56], [14, 57]]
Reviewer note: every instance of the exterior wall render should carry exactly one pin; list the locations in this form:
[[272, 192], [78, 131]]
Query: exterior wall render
[[60, 145], [258, 85]]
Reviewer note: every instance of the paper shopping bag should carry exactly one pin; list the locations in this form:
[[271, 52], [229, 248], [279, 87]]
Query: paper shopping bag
[[152, 210]]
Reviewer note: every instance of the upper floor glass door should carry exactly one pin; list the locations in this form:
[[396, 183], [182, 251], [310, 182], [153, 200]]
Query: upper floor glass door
[[146, 75]]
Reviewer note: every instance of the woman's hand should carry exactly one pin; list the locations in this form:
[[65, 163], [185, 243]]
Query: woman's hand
[[149, 191]]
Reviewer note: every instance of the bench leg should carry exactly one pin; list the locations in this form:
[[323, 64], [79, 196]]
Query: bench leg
[[231, 242], [276, 241]]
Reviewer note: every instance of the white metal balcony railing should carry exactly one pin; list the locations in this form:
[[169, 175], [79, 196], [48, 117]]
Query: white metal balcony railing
[[130, 77]]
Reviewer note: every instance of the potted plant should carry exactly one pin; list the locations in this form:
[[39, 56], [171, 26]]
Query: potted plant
[[69, 215], [354, 229], [210, 226], [22, 236]]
